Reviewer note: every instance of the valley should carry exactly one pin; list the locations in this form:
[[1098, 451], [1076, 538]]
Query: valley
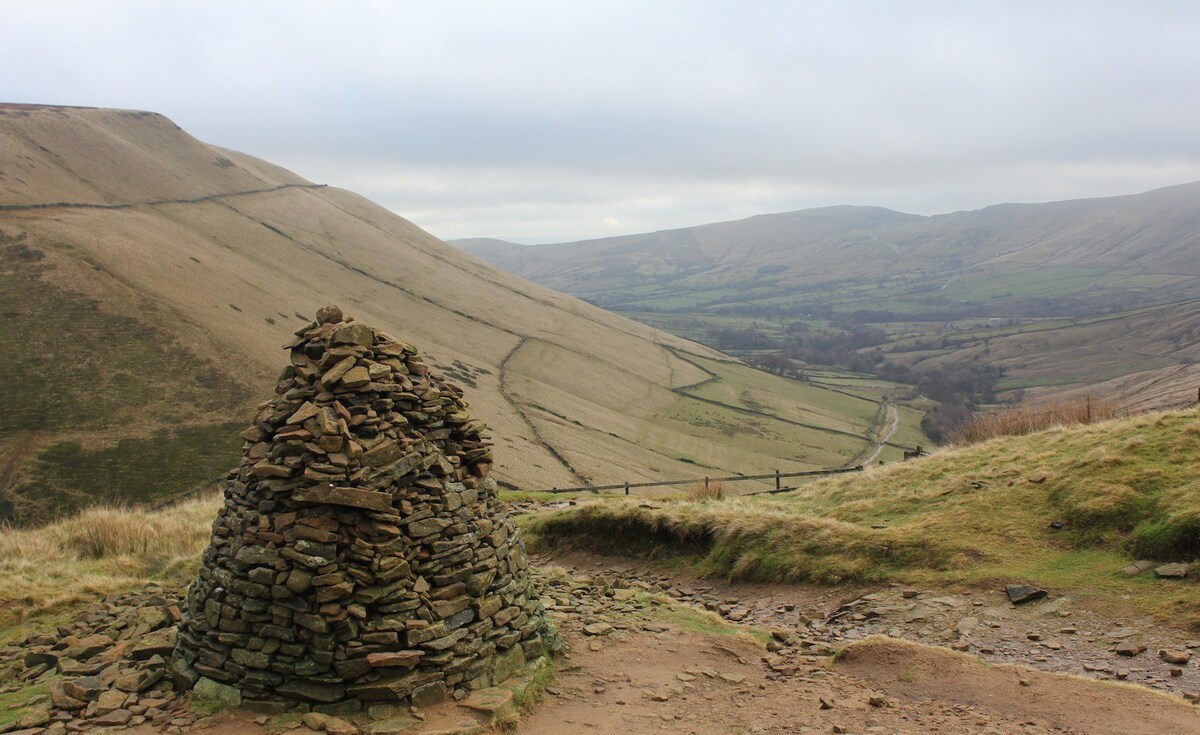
[[149, 280], [1042, 301]]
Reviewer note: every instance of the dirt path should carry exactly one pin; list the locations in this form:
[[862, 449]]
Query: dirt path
[[1056, 634], [895, 417], [663, 669], [679, 681]]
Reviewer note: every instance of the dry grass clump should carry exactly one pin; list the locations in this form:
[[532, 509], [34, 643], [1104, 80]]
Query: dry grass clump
[[743, 538], [703, 490], [102, 550], [1024, 420]]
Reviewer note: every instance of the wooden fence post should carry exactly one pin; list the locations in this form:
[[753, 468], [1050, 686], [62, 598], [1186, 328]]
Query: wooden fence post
[[777, 485], [627, 488], [706, 486]]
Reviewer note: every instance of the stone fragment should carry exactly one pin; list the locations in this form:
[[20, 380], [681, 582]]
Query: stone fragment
[[387, 659], [1129, 648], [494, 701], [392, 725], [118, 718], [329, 315], [353, 334], [356, 377], [1138, 567], [331, 376], [216, 695], [312, 691], [85, 688], [338, 726], [304, 413], [1172, 571], [348, 496], [1171, 656], [1021, 593], [109, 701]]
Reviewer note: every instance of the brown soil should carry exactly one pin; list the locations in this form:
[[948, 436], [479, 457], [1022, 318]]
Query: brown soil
[[1055, 634], [915, 674], [914, 689]]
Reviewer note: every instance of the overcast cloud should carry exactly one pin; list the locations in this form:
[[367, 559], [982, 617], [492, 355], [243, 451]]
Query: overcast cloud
[[557, 120]]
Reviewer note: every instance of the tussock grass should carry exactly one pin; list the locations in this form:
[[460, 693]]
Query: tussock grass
[[1121, 489], [710, 490], [1024, 419], [102, 550]]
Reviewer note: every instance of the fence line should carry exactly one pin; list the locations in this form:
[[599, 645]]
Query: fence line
[[595, 489], [777, 476]]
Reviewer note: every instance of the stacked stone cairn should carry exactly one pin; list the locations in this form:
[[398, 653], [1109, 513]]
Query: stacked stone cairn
[[361, 555]]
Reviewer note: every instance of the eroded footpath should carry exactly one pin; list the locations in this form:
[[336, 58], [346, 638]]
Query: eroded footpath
[[649, 653]]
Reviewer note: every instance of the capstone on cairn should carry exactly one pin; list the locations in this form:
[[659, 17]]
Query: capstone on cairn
[[361, 554]]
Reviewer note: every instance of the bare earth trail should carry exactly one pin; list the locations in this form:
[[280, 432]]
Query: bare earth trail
[[1055, 634], [669, 680], [894, 415]]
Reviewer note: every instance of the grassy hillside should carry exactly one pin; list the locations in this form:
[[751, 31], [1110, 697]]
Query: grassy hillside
[[1014, 256], [1059, 292], [148, 280], [1121, 490]]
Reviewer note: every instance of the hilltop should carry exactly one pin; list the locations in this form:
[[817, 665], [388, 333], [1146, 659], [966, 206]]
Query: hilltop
[[1095, 295], [148, 281]]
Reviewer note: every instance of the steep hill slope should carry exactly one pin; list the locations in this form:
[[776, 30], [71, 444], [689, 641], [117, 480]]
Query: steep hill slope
[[147, 281]]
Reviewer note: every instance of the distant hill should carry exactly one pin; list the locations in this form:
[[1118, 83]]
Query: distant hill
[[924, 281], [148, 281], [1153, 239]]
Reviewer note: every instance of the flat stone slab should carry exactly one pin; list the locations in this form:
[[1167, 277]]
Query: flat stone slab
[[1172, 571], [1138, 567], [1019, 594], [392, 725], [494, 701], [348, 496]]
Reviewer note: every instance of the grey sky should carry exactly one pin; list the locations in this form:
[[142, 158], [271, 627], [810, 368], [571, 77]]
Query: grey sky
[[555, 120]]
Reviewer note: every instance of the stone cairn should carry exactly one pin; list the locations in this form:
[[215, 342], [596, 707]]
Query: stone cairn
[[361, 555]]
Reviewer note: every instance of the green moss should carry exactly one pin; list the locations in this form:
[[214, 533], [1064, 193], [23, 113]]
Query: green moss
[[15, 704], [700, 621]]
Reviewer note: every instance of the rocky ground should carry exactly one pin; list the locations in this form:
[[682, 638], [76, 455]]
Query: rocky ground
[[652, 653], [1050, 634]]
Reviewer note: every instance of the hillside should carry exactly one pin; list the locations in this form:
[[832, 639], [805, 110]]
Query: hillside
[[1029, 282], [1064, 509], [148, 280], [1149, 240]]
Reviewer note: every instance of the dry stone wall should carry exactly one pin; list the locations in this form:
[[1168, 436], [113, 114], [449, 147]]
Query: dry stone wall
[[361, 554]]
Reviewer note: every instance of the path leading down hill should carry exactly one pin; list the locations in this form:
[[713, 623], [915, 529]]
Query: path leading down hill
[[148, 280]]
